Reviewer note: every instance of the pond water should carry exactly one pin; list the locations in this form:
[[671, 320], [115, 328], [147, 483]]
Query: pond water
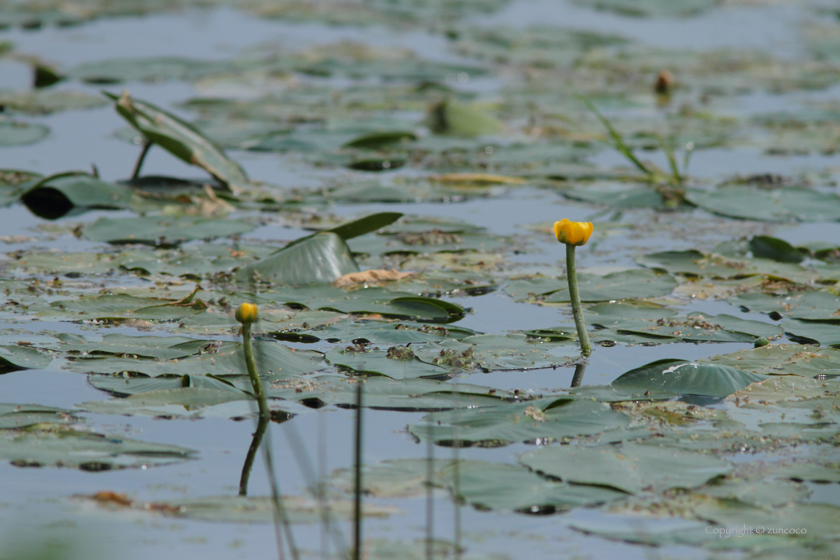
[[710, 279]]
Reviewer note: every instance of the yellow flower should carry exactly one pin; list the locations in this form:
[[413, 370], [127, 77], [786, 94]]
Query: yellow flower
[[572, 233], [247, 313]]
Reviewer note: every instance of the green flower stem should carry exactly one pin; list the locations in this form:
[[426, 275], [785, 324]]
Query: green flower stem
[[252, 369], [585, 347]]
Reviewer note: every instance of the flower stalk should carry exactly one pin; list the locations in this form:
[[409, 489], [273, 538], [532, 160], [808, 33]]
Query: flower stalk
[[247, 314], [573, 234]]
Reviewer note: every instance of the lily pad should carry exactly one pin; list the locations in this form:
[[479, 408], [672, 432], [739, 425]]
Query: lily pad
[[630, 467], [179, 138], [544, 420], [781, 205], [88, 451], [651, 8], [24, 415], [639, 324], [13, 133], [396, 365], [823, 332], [54, 196], [385, 393], [487, 352], [274, 360], [687, 378], [22, 357], [808, 306], [368, 301], [241, 509], [627, 284], [161, 230], [503, 487], [784, 359], [317, 259]]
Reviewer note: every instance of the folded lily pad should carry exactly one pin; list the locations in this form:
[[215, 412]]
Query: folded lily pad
[[630, 467], [179, 138], [317, 259], [687, 378]]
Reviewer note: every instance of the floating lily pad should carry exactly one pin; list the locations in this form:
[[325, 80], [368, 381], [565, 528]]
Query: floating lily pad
[[695, 263], [274, 360], [823, 332], [54, 196], [781, 205], [23, 415], [628, 323], [766, 247], [807, 306], [784, 359], [385, 393], [687, 378], [240, 509], [508, 487], [165, 348], [146, 69], [46, 101], [651, 8], [545, 420], [63, 447], [489, 352], [396, 365], [368, 301], [627, 284], [22, 357], [14, 133], [161, 230], [630, 467], [180, 402]]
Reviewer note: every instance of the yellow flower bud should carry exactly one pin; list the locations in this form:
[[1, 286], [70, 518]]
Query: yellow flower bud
[[572, 233], [247, 313]]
